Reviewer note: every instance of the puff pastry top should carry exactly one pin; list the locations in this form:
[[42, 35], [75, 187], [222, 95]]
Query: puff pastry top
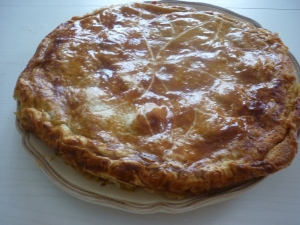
[[163, 97]]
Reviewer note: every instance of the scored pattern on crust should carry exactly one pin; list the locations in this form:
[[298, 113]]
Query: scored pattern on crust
[[162, 97]]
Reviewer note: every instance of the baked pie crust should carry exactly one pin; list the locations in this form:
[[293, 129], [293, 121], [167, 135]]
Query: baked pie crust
[[162, 97]]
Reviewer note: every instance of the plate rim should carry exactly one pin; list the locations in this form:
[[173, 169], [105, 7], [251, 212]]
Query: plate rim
[[187, 204], [178, 206]]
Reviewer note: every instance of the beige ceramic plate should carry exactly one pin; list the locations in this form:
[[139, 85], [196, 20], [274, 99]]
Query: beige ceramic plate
[[139, 201]]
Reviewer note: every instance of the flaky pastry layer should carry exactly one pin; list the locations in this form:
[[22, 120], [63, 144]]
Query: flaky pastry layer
[[162, 97]]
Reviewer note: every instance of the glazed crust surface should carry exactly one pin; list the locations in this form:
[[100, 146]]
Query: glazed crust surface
[[163, 97]]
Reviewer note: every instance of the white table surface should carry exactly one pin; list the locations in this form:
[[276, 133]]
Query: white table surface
[[27, 196]]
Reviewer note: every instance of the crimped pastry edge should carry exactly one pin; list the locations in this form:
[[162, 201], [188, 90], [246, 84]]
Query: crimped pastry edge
[[58, 138]]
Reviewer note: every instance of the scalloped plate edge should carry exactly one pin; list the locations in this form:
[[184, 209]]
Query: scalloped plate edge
[[131, 206], [167, 206]]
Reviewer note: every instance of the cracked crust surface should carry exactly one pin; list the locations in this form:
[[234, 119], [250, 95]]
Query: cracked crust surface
[[163, 97]]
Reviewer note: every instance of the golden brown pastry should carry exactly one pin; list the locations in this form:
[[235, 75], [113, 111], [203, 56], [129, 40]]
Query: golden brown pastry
[[163, 97]]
